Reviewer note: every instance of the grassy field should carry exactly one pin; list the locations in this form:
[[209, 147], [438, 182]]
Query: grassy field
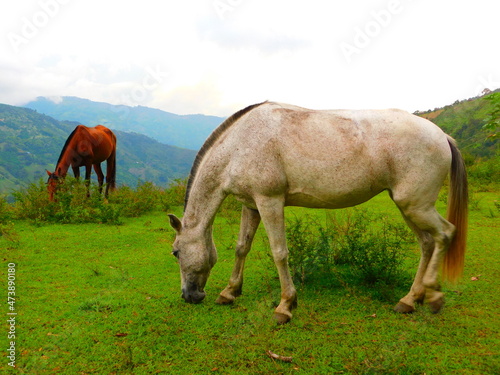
[[105, 299]]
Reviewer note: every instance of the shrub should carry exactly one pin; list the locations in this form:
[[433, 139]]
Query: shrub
[[485, 172], [373, 253], [175, 192], [146, 198], [310, 249], [5, 211], [72, 204]]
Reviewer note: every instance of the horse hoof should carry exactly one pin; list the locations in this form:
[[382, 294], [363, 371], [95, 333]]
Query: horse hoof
[[403, 308], [221, 300], [436, 305], [282, 318]]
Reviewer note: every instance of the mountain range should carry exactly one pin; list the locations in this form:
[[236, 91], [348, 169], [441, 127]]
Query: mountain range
[[187, 131]]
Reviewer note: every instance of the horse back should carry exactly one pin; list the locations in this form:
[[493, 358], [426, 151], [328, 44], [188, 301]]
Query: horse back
[[334, 158], [98, 141]]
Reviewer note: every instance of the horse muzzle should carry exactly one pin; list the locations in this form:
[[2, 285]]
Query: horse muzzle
[[193, 296]]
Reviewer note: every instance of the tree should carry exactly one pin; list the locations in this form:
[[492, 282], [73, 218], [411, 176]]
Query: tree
[[492, 125]]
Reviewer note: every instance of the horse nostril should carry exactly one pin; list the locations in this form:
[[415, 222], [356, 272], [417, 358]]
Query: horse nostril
[[193, 297], [198, 297]]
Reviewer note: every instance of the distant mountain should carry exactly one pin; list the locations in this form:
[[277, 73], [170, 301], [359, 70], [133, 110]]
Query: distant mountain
[[188, 131], [31, 142]]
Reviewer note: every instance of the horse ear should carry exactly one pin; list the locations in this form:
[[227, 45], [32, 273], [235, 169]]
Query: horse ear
[[48, 173], [175, 223]]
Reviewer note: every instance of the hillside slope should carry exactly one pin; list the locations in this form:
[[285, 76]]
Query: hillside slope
[[464, 121], [31, 142], [189, 131]]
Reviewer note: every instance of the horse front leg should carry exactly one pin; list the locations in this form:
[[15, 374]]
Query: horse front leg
[[272, 212], [88, 171], [76, 172], [250, 220]]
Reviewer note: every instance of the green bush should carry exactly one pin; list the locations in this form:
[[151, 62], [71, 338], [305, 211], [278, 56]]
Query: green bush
[[372, 248], [485, 171], [146, 198], [174, 194], [310, 247], [72, 205], [375, 254], [5, 211]]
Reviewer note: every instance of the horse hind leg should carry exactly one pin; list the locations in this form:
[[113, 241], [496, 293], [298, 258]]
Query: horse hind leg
[[110, 174], [435, 235], [250, 220], [100, 176], [417, 291]]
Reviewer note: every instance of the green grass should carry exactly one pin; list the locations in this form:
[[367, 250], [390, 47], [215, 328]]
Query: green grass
[[105, 299]]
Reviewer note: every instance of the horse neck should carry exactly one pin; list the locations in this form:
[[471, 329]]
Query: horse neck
[[64, 161], [63, 166], [205, 198]]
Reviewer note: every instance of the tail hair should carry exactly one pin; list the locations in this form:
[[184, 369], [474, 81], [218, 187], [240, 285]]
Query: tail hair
[[458, 201]]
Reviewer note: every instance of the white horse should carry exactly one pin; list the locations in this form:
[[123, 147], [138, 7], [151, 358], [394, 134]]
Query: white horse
[[272, 155]]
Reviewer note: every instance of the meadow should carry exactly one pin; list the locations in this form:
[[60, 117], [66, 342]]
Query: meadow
[[104, 298]]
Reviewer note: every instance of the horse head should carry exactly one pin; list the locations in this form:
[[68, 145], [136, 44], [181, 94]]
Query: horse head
[[196, 256], [52, 183]]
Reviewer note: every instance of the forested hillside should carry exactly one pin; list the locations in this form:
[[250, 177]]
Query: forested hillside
[[31, 142], [465, 120]]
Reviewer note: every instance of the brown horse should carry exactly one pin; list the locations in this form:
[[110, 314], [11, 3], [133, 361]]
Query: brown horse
[[86, 147]]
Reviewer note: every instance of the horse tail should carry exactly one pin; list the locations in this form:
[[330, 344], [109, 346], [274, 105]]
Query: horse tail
[[112, 182], [113, 172], [458, 198]]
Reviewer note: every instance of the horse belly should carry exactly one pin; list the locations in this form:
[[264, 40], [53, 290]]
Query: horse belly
[[330, 162], [333, 185]]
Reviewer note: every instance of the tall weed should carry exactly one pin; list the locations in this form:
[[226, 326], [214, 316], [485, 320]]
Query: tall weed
[[372, 247], [73, 204], [133, 203]]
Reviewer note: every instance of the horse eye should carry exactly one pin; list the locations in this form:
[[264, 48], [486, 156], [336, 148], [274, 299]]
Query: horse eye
[[175, 253]]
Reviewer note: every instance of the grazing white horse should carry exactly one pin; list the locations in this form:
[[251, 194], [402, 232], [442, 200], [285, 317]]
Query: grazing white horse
[[272, 155]]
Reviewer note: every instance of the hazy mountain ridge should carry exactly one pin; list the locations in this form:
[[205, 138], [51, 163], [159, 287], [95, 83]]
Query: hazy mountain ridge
[[185, 131]]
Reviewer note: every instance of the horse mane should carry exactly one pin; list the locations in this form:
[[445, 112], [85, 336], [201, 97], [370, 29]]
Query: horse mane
[[66, 144], [212, 138]]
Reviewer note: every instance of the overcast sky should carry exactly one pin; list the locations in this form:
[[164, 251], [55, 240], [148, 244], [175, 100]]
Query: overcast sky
[[216, 56]]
